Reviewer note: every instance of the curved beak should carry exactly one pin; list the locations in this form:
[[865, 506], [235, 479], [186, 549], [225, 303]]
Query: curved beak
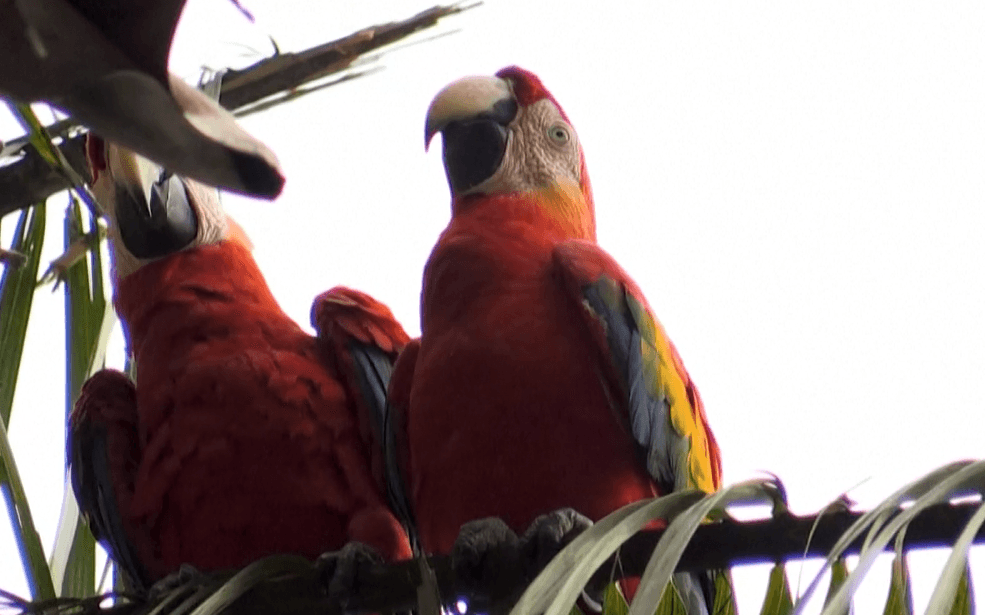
[[152, 208], [473, 116]]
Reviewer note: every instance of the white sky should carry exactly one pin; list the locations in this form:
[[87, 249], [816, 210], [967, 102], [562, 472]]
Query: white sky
[[798, 189]]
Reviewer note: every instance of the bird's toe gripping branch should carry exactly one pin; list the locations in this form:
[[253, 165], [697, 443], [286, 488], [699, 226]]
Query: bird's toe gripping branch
[[341, 571], [186, 575], [549, 534], [488, 554], [487, 560], [12, 257]]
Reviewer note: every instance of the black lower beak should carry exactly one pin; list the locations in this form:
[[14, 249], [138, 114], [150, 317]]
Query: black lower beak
[[162, 226], [474, 148]]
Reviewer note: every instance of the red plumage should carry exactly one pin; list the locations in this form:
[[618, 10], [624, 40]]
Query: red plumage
[[541, 380], [505, 390], [242, 437]]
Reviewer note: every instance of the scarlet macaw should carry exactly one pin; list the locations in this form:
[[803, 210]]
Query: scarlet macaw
[[243, 436], [542, 380]]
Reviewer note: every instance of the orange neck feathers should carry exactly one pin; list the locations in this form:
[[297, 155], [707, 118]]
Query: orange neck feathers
[[563, 207]]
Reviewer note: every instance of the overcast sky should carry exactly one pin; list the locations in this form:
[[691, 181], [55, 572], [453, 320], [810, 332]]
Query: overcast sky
[[798, 189]]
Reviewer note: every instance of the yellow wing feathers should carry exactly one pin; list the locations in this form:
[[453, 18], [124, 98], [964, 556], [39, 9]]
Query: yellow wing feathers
[[666, 378]]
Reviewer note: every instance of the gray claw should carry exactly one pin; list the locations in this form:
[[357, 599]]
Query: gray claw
[[549, 534], [341, 570], [483, 549], [487, 561], [493, 565], [186, 575]]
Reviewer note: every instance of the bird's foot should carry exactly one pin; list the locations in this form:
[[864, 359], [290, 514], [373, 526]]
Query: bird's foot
[[549, 534], [342, 570], [488, 563], [76, 251], [494, 565], [186, 577], [12, 257]]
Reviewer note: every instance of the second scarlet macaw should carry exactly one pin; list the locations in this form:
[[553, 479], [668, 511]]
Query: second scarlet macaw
[[243, 436], [542, 379]]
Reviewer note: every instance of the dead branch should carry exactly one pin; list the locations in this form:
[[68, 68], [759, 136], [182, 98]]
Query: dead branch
[[30, 180]]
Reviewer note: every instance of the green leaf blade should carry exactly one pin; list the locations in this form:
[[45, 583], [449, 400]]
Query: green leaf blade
[[900, 600], [839, 574], [17, 287], [16, 297], [613, 602], [779, 600]]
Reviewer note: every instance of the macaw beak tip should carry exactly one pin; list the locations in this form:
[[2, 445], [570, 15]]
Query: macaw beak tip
[[259, 177], [462, 99], [429, 132]]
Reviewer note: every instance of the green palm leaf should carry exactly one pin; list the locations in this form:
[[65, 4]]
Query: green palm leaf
[[778, 600], [900, 600], [938, 486], [16, 296], [89, 320]]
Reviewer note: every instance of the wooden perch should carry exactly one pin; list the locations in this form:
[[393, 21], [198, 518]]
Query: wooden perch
[[291, 585], [30, 179]]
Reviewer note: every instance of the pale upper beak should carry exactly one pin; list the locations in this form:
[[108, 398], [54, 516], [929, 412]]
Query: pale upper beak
[[474, 116], [466, 99]]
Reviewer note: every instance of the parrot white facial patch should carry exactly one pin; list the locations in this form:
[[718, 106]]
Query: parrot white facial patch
[[536, 156], [133, 172]]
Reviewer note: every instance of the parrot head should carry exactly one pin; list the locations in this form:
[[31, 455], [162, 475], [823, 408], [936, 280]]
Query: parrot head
[[506, 134], [152, 212]]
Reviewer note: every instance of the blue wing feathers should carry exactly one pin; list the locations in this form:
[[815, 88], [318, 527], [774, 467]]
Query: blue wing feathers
[[374, 369], [93, 486], [649, 416]]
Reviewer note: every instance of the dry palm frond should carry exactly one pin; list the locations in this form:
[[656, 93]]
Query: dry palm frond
[[30, 180]]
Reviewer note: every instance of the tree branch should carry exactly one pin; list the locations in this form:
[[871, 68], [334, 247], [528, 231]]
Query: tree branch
[[30, 180], [287, 71], [394, 587]]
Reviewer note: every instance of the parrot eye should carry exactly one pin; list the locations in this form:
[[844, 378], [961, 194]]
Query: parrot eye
[[559, 134]]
